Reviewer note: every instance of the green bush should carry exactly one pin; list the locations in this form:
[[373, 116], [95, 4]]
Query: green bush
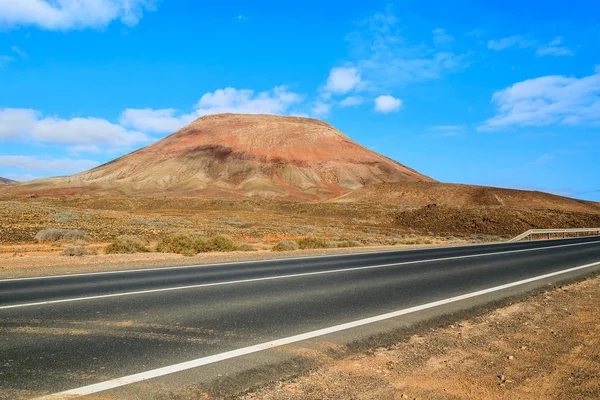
[[312, 243], [61, 235], [285, 245], [78, 251], [126, 245]]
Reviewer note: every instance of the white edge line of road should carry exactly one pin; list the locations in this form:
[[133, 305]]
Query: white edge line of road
[[270, 278], [155, 373], [270, 260]]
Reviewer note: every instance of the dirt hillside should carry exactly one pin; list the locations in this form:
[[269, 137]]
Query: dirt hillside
[[421, 194], [451, 209], [230, 155]]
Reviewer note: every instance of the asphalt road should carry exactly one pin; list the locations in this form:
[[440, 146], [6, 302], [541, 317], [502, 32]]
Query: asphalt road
[[60, 333]]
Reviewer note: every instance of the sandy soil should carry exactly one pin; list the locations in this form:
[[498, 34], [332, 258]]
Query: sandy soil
[[547, 347]]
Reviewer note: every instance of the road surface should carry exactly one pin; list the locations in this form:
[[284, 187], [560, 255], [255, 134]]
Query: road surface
[[163, 330]]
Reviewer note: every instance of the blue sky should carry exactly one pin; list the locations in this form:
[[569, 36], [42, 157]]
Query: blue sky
[[491, 93]]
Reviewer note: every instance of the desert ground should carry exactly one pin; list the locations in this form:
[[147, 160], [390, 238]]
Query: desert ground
[[259, 225]]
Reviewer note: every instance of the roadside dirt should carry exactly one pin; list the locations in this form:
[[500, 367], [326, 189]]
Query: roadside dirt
[[547, 347], [21, 261]]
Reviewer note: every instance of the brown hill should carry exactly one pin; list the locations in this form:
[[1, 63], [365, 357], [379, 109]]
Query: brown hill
[[451, 209], [240, 155], [421, 194], [6, 181]]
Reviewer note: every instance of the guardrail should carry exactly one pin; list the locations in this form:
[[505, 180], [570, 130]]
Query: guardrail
[[550, 232]]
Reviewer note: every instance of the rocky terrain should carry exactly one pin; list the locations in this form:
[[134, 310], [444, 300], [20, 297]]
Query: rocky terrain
[[230, 155]]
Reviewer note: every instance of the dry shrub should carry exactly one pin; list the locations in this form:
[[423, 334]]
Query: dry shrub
[[312, 243], [417, 240], [64, 217], [347, 243], [246, 247], [189, 245], [285, 245], [61, 235], [78, 251], [126, 245], [220, 243], [141, 221]]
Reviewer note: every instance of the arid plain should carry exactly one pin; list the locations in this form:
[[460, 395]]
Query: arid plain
[[258, 183]]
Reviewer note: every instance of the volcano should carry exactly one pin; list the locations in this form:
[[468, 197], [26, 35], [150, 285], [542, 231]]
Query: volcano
[[228, 155]]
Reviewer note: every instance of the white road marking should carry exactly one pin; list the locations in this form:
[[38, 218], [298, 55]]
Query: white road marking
[[263, 261], [155, 373], [270, 278]]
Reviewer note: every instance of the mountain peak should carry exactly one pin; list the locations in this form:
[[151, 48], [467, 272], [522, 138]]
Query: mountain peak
[[245, 155]]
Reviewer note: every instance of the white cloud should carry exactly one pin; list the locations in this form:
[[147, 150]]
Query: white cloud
[[547, 100], [387, 104], [228, 100], [441, 37], [62, 165], [387, 59], [72, 14], [543, 159], [554, 49], [18, 123], [19, 51], [351, 101], [342, 80], [448, 130], [82, 148], [231, 100], [85, 131], [511, 41], [149, 120], [321, 109]]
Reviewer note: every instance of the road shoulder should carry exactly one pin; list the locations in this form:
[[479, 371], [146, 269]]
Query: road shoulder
[[545, 347]]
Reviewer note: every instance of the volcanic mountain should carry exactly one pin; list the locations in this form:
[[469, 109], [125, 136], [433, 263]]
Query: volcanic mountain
[[6, 181], [241, 155]]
